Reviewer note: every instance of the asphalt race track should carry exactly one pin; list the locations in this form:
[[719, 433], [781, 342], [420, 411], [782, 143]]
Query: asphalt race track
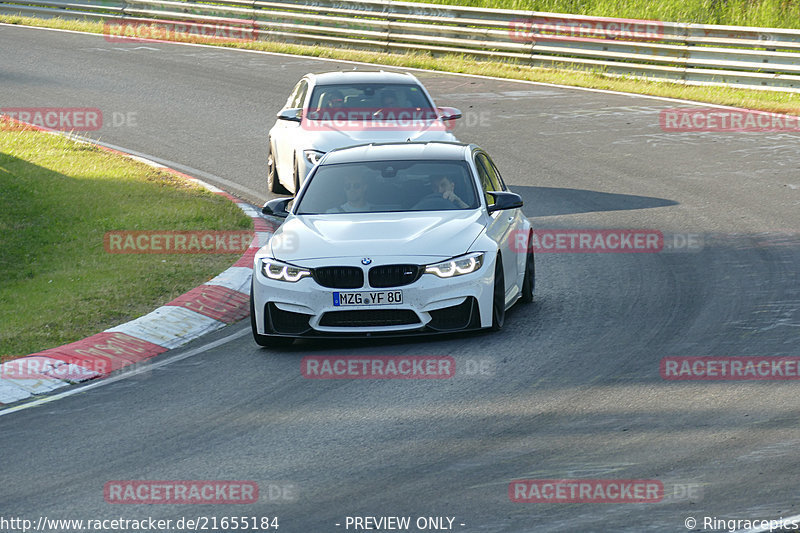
[[570, 388]]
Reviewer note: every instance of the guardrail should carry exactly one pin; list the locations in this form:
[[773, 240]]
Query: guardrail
[[760, 58]]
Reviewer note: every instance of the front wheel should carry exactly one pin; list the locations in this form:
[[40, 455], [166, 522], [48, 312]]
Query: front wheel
[[296, 178], [266, 341], [273, 183], [499, 296], [529, 281]]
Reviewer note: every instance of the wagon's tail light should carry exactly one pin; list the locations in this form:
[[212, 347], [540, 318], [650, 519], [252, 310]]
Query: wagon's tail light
[[457, 266]]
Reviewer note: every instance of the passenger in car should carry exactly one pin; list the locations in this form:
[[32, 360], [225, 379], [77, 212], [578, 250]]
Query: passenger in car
[[446, 187], [332, 100], [442, 196], [355, 189], [388, 98]]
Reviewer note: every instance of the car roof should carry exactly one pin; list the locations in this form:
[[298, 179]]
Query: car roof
[[362, 76], [433, 150]]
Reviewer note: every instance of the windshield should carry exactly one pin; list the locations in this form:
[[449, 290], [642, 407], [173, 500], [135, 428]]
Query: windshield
[[389, 186], [368, 100]]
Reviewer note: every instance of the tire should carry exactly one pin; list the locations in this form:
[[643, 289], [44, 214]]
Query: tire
[[273, 183], [499, 296], [529, 281], [266, 341], [296, 179]]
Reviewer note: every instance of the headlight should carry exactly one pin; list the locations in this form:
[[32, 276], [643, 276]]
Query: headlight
[[458, 266], [283, 272], [313, 156]]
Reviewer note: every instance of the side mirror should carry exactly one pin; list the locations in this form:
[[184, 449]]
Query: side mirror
[[277, 207], [292, 115], [449, 113], [504, 200]]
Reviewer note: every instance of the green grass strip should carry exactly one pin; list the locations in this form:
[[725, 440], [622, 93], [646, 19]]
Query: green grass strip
[[59, 198]]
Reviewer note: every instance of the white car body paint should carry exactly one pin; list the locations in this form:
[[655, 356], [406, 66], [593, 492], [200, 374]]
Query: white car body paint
[[406, 237], [288, 139]]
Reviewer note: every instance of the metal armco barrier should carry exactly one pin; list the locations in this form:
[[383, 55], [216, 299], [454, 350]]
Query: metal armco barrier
[[759, 58]]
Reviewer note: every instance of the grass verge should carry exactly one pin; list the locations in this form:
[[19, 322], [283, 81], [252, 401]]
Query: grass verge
[[773, 101], [57, 282]]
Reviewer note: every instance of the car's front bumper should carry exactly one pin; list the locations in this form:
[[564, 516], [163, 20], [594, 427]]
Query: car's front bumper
[[430, 305]]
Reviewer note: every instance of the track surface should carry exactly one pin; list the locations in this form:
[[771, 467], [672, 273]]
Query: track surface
[[574, 391]]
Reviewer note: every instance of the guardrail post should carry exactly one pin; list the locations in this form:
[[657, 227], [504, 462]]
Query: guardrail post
[[253, 20], [532, 40], [387, 12]]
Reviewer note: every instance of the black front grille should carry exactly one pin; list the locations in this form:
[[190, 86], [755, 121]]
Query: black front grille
[[339, 277], [393, 275], [369, 317], [287, 322], [459, 316]]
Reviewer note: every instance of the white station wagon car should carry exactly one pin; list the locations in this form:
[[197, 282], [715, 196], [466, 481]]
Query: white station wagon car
[[338, 109], [393, 239]]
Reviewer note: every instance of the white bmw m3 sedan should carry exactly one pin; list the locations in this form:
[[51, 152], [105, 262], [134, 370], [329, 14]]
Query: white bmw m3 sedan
[[393, 239], [338, 109]]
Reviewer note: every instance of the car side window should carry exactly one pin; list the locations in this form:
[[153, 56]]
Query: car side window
[[300, 96], [297, 96], [293, 95], [494, 177], [488, 176], [497, 175]]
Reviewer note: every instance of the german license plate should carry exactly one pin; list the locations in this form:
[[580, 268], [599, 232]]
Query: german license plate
[[342, 299]]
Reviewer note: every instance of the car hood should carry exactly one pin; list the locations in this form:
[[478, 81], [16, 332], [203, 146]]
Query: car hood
[[326, 139], [441, 234]]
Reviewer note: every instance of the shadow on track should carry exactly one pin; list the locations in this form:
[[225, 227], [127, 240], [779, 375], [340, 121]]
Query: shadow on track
[[552, 201]]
